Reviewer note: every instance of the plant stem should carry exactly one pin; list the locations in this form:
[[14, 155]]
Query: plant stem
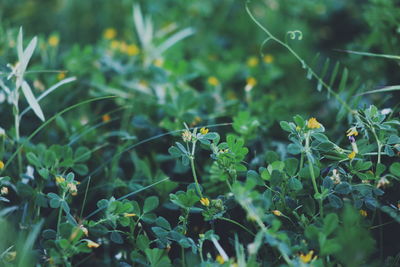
[[378, 142], [311, 168], [194, 171], [238, 224], [183, 256], [17, 136], [59, 216]]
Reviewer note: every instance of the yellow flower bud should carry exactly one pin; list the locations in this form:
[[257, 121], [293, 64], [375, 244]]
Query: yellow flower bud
[[313, 123], [352, 155], [213, 81], [203, 130], [110, 33], [220, 259], [92, 244], [205, 201], [53, 40], [277, 213]]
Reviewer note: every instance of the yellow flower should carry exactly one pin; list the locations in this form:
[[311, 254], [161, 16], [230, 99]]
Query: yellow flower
[[129, 214], [363, 213], [213, 81], [251, 81], [132, 50], [205, 201], [4, 190], [277, 213], [53, 40], [1, 165], [268, 58], [106, 118], [203, 130], [60, 180], [115, 44], [307, 257], [109, 33], [61, 76], [352, 131], [92, 244], [220, 259], [313, 123], [252, 61], [159, 62], [352, 155]]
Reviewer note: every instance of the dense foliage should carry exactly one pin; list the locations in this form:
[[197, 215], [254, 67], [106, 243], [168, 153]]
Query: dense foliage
[[199, 133]]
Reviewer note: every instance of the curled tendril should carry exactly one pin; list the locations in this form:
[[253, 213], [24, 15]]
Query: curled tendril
[[263, 45], [296, 34]]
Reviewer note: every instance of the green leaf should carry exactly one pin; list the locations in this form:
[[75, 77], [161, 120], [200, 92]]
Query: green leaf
[[265, 174], [294, 149], [380, 168], [181, 147], [331, 222], [271, 156], [116, 237], [393, 139], [320, 137], [295, 184], [44, 173], [211, 136], [395, 169], [54, 203], [82, 154], [276, 177], [64, 243], [174, 152], [343, 188], [81, 169], [362, 165], [299, 121], [285, 126], [64, 206], [160, 221], [150, 204], [26, 89], [305, 172], [291, 165], [142, 242], [335, 201]]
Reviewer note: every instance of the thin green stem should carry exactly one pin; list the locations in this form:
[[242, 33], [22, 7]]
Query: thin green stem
[[17, 136], [195, 177], [84, 198], [301, 161], [183, 257], [311, 168], [378, 142], [194, 170], [238, 224], [59, 216]]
